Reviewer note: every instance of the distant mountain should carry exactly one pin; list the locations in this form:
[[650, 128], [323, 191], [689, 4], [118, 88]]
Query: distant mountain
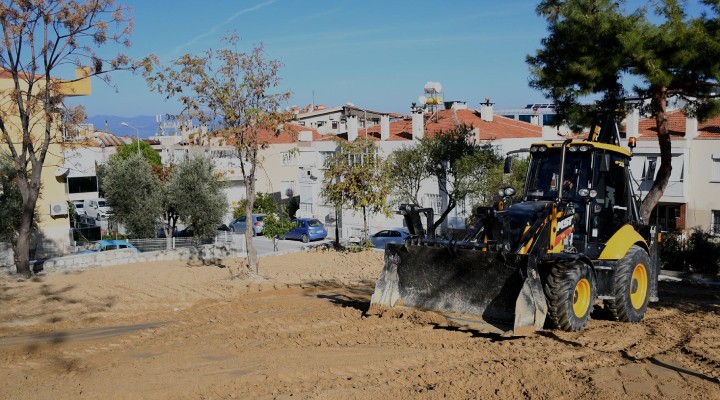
[[145, 125]]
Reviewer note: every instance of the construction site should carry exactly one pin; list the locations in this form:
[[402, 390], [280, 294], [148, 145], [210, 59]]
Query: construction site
[[301, 330]]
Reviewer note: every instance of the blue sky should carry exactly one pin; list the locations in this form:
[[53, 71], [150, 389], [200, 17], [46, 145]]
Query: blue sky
[[375, 54]]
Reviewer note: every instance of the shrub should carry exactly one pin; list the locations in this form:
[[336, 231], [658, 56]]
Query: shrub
[[697, 252]]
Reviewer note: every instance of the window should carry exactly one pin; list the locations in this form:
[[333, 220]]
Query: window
[[715, 226], [715, 177], [334, 124], [433, 201], [324, 156], [82, 184], [649, 169]]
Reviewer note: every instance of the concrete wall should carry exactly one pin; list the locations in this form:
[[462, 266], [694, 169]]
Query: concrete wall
[[703, 197]]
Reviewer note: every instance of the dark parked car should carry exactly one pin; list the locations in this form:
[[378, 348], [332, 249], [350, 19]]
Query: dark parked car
[[380, 239], [307, 229], [239, 224]]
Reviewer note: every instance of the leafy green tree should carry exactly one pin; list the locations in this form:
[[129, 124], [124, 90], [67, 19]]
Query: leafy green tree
[[264, 204], [276, 225], [497, 180], [407, 172], [460, 166], [599, 47], [196, 192], [41, 38], [234, 91], [135, 193], [152, 156], [356, 177], [11, 202]]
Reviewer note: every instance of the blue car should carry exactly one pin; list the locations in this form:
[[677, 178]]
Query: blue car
[[105, 245], [307, 229]]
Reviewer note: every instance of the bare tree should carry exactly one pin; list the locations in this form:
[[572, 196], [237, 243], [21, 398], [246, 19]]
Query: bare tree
[[231, 90], [39, 39]]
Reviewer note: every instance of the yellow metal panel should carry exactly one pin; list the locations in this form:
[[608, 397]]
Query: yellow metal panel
[[620, 243]]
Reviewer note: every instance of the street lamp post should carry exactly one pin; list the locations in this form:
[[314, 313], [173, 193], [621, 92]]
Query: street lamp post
[[137, 134]]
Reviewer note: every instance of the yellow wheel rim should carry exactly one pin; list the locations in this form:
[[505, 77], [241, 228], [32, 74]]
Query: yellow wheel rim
[[581, 298], [638, 286]]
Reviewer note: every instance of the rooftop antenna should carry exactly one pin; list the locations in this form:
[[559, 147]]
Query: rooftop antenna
[[433, 98]]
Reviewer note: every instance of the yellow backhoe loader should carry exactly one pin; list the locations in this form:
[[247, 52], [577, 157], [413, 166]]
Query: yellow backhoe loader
[[574, 239]]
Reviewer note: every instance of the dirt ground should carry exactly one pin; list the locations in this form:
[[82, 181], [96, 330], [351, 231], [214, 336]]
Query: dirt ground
[[174, 331]]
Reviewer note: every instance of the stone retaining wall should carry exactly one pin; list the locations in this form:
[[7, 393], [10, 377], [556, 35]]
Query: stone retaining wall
[[79, 262]]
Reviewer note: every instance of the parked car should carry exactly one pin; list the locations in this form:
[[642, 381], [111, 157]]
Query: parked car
[[239, 224], [186, 232], [307, 229], [106, 245], [381, 238], [97, 208], [78, 207]]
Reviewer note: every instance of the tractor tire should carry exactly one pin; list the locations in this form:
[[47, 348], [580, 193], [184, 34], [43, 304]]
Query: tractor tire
[[305, 238], [570, 290], [631, 287]]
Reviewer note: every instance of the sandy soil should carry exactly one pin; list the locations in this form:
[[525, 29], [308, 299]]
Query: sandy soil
[[173, 331]]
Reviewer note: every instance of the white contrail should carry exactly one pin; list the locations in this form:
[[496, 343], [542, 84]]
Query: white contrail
[[215, 28]]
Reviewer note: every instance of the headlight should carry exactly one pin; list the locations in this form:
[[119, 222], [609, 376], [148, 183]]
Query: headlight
[[593, 193], [584, 192], [572, 149], [501, 192], [533, 149], [509, 191], [542, 149], [584, 148]]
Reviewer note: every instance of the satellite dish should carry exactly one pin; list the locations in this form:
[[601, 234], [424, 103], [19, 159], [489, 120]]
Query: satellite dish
[[61, 171], [422, 100]]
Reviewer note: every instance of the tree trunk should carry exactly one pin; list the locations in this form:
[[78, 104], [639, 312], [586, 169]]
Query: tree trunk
[[365, 224], [30, 192], [450, 207], [651, 200], [251, 252]]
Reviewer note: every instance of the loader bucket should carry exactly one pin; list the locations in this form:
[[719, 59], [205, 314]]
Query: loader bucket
[[484, 290]]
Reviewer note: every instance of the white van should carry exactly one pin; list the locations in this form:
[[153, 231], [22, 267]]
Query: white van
[[97, 208]]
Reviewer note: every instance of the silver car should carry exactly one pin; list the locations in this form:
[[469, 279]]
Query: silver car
[[381, 238]]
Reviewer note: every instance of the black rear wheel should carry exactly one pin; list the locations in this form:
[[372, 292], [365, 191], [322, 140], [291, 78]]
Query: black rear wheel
[[631, 287], [571, 292], [305, 238]]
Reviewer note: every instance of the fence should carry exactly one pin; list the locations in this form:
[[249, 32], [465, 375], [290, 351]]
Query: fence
[[221, 237]]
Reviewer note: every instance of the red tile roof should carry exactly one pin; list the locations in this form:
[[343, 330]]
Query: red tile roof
[[289, 134], [499, 128], [709, 129]]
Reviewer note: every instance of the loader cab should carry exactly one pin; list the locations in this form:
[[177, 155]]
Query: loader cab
[[595, 181]]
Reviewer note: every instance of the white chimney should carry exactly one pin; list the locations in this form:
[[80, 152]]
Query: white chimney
[[352, 127], [691, 127], [486, 110], [305, 136], [418, 124], [632, 123], [384, 127]]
